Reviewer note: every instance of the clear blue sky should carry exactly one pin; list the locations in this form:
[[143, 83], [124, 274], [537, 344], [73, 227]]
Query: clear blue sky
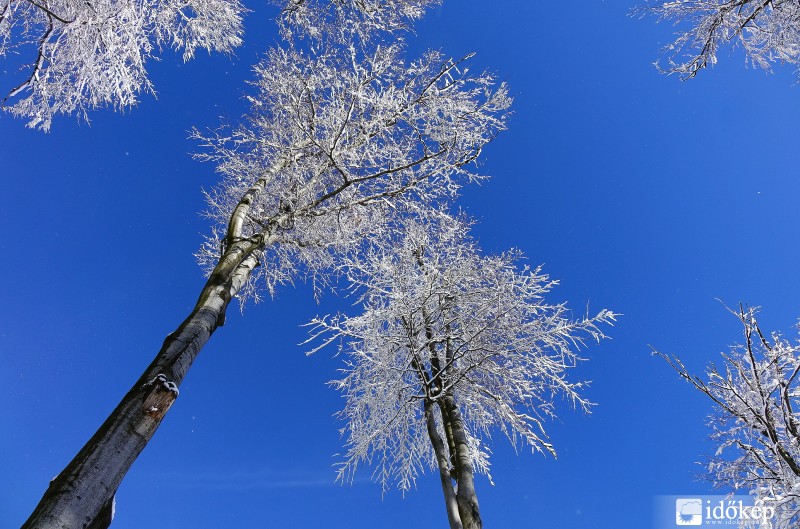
[[643, 194]]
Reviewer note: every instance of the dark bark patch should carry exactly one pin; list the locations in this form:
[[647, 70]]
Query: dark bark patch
[[160, 398]]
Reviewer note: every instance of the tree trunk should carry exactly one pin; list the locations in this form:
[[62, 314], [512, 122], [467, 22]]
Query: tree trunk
[[466, 497], [451, 504], [82, 495]]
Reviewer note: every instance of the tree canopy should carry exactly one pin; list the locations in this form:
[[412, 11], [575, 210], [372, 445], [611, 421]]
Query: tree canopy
[[442, 321], [84, 55], [767, 31]]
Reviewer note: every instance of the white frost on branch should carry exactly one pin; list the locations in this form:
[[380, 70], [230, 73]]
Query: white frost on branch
[[337, 140], [89, 54], [767, 30], [344, 18], [440, 321], [757, 425]]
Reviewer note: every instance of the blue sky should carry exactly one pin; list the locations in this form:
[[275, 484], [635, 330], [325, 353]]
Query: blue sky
[[643, 194]]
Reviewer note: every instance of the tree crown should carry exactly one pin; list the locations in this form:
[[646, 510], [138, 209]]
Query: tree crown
[[338, 140], [441, 321]]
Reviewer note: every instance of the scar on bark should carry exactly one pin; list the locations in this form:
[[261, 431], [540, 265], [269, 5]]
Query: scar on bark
[[160, 398]]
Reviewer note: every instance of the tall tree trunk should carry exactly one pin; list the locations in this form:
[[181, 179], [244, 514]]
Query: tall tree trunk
[[451, 504], [466, 497], [82, 495]]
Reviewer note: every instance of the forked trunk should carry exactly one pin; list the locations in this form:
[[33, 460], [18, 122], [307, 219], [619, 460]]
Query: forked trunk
[[82, 495], [466, 496], [466, 500], [450, 501]]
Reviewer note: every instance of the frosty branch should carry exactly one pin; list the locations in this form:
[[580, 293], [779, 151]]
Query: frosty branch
[[768, 31], [93, 54], [362, 132], [338, 18], [77, 56], [756, 427]]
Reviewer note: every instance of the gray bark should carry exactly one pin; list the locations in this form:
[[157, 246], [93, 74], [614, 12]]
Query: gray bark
[[466, 496], [451, 503], [82, 495], [466, 499]]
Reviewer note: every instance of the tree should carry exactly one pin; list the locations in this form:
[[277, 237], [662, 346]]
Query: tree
[[756, 427], [336, 141], [767, 31], [86, 55], [450, 346]]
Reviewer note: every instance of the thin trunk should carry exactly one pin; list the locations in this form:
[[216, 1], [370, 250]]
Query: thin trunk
[[448, 432], [448, 375], [451, 504], [466, 498], [82, 495], [465, 493], [430, 382]]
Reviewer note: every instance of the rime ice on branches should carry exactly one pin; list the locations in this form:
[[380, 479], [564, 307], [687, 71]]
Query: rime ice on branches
[[450, 346], [84, 55], [756, 427], [767, 31], [339, 19], [336, 142]]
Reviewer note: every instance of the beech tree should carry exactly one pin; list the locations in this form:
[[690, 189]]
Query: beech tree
[[756, 426], [336, 140], [450, 346], [768, 32]]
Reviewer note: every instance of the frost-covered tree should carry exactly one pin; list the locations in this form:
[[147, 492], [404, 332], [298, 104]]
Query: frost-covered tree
[[87, 54], [75, 55], [756, 426], [768, 31], [335, 142], [450, 346]]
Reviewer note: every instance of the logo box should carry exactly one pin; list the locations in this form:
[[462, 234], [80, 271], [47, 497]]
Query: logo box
[[728, 512], [689, 511]]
